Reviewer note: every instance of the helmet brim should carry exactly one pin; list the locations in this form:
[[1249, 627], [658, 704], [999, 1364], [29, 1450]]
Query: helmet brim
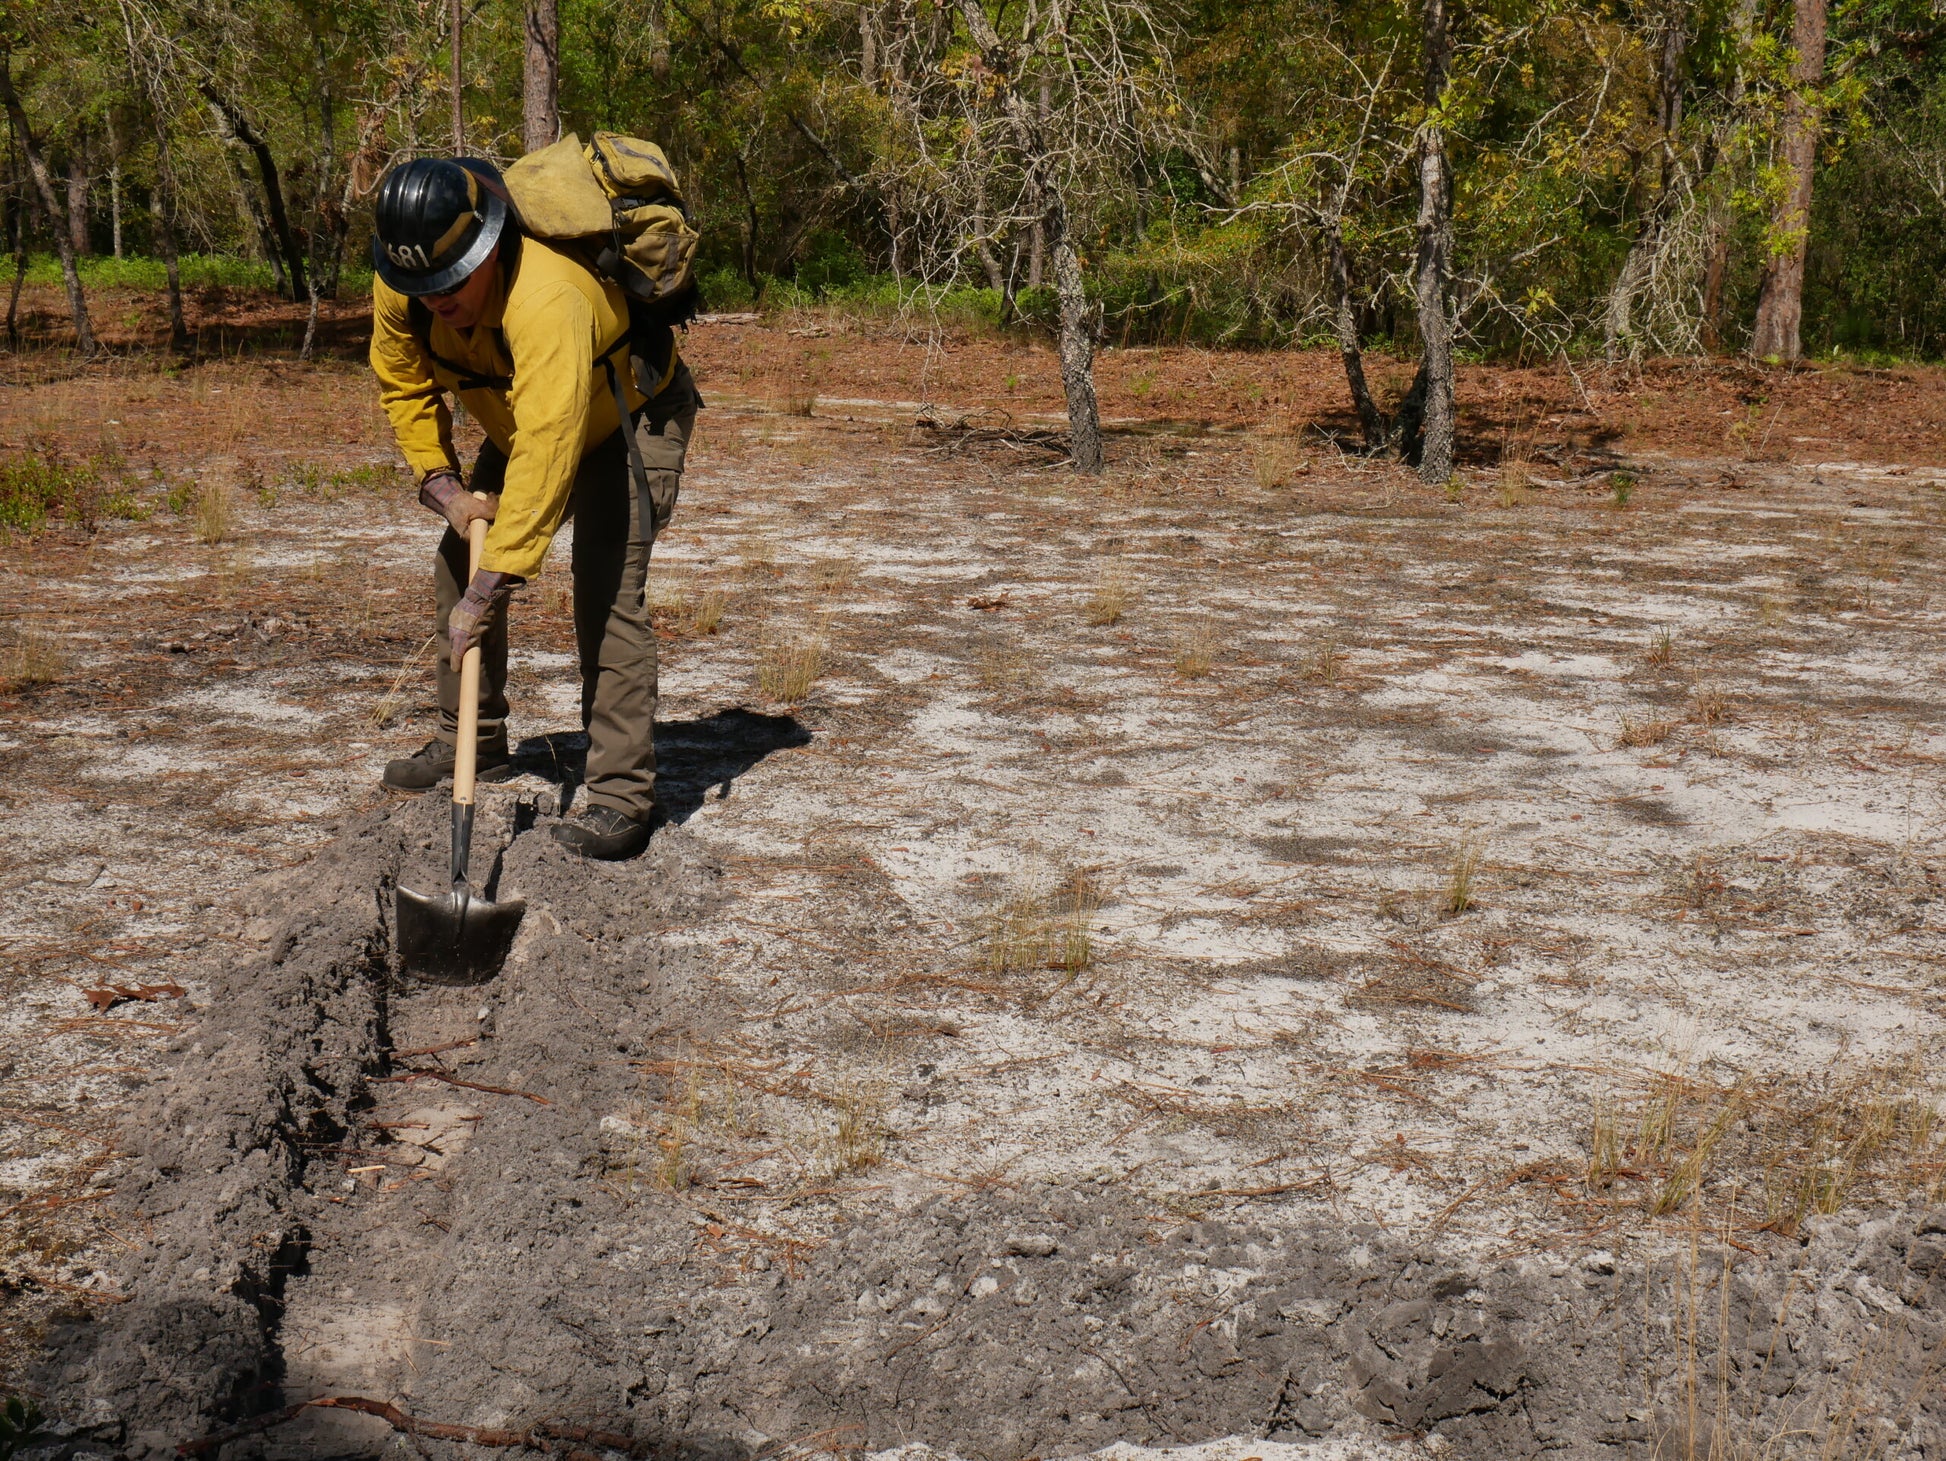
[[441, 281]]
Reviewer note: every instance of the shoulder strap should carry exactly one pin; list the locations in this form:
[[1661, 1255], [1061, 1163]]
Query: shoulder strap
[[632, 340], [420, 319], [644, 503]]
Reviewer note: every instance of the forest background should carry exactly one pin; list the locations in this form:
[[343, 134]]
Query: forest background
[[1492, 178]]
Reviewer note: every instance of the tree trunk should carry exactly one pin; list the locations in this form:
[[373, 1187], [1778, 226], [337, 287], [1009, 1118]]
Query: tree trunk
[[1618, 323], [114, 186], [1716, 230], [1077, 338], [84, 330], [540, 91], [236, 127], [458, 78], [18, 215], [162, 199], [331, 220], [990, 265], [1371, 421], [162, 204], [77, 198], [1037, 244], [1077, 349], [165, 238], [1432, 265], [253, 209], [983, 240], [750, 228], [1780, 301], [13, 298]]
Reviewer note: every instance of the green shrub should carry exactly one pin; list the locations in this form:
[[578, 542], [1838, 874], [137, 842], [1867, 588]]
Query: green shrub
[[20, 1427], [197, 271], [830, 262], [330, 483], [35, 486], [727, 292]]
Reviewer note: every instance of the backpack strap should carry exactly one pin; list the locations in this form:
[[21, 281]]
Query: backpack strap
[[644, 504], [420, 320]]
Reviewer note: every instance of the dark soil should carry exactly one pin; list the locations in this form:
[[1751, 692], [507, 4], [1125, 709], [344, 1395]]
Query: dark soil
[[536, 1275]]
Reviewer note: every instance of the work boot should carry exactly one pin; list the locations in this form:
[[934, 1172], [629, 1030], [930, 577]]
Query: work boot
[[604, 833], [432, 763]]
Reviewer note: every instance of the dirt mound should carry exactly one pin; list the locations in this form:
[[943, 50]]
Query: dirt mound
[[440, 1198]]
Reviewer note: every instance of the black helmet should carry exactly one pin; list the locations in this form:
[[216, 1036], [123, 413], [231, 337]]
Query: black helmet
[[437, 220]]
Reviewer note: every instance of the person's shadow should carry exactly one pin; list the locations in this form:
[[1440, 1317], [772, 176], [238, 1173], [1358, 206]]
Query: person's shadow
[[692, 757]]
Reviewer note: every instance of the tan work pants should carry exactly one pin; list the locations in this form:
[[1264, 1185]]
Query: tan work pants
[[612, 632]]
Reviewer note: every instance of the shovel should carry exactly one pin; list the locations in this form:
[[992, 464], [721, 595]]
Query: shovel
[[460, 937]]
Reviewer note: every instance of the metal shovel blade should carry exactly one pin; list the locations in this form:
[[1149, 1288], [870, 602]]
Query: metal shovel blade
[[456, 937]]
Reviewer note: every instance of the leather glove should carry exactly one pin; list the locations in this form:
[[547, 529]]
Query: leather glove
[[473, 615], [446, 494]]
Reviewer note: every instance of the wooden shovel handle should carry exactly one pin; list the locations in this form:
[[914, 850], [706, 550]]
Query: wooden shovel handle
[[466, 749]]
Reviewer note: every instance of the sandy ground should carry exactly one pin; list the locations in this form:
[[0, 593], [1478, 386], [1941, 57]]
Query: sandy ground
[[1254, 834]]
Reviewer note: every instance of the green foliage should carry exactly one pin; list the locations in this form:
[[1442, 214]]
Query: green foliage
[[328, 484], [1199, 179], [20, 1427], [830, 262], [725, 291], [196, 271], [38, 485]]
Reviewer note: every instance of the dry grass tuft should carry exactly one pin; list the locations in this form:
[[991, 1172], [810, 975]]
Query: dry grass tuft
[[1515, 487], [1043, 927], [709, 611], [1662, 649], [1109, 600], [1639, 733], [789, 665], [388, 705], [1463, 877], [214, 517], [1004, 668], [1276, 463], [667, 600], [1708, 706], [833, 575], [1195, 652], [1768, 1154], [37, 657], [1325, 664], [858, 1139]]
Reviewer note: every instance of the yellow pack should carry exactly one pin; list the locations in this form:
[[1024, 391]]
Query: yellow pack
[[619, 196]]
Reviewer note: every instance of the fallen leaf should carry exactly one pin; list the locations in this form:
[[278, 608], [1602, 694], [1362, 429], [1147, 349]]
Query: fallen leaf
[[107, 998]]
